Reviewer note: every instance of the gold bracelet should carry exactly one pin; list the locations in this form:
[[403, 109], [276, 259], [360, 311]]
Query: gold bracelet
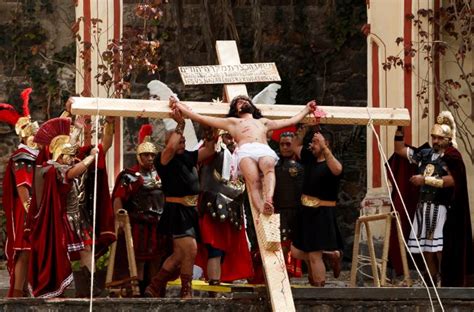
[[109, 128], [434, 182], [180, 127], [88, 161]]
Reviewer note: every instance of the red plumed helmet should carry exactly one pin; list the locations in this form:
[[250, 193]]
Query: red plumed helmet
[[24, 127], [144, 144], [145, 131], [8, 114], [51, 129], [25, 95]]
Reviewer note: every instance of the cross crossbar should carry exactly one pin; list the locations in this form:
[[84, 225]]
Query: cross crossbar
[[339, 115]]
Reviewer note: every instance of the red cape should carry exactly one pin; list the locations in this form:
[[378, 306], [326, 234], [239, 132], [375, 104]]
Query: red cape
[[105, 219], [402, 171], [49, 269], [457, 262], [237, 262]]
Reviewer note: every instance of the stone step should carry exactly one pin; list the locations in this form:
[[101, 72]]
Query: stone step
[[306, 299]]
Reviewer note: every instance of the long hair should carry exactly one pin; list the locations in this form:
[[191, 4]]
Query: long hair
[[257, 114]]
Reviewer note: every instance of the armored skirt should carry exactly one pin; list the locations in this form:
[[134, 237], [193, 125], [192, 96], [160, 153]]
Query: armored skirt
[[428, 228]]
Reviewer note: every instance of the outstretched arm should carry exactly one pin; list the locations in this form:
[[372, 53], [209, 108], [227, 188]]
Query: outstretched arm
[[82, 166], [214, 122], [281, 123]]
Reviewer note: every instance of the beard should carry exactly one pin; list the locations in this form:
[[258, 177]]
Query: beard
[[246, 109], [441, 146]]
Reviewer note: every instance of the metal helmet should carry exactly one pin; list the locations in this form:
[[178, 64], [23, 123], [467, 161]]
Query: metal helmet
[[24, 127], [60, 145], [144, 138], [445, 127]]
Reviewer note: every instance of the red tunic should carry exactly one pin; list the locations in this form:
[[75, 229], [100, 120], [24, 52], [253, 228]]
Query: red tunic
[[19, 172], [237, 262]]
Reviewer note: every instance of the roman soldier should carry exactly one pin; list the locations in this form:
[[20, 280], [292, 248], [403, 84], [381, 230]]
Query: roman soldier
[[80, 204], [138, 191], [17, 189], [441, 226], [50, 233], [221, 207]]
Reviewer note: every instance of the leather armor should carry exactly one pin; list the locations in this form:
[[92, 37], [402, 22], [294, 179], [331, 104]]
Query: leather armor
[[289, 182], [148, 202], [223, 200], [432, 168]]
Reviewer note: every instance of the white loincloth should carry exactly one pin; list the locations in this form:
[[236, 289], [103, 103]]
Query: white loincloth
[[255, 151]]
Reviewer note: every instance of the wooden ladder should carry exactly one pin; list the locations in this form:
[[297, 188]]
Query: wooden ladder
[[119, 288]]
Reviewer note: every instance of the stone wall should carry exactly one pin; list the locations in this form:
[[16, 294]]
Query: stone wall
[[311, 63]]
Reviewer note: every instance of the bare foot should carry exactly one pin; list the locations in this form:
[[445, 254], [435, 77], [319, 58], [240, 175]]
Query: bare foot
[[268, 208]]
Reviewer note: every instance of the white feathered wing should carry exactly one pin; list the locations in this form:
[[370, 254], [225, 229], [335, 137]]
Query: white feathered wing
[[267, 95], [162, 92]]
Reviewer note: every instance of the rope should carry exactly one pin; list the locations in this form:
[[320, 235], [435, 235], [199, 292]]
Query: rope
[[94, 210], [379, 145]]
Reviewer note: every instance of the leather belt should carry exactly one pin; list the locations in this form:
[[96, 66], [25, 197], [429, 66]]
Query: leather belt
[[314, 202], [190, 200]]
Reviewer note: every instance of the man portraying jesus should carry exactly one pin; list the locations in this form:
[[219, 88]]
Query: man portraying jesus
[[246, 125]]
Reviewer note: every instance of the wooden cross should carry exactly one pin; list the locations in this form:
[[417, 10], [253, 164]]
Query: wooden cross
[[273, 261]]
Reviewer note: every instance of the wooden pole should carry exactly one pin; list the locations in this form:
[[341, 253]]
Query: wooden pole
[[373, 258], [386, 245]]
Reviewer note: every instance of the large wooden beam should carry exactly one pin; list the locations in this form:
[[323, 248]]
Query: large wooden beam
[[339, 115]]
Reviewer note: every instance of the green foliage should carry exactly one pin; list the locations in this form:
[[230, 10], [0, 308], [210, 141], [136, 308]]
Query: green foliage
[[100, 264], [20, 42], [23, 51]]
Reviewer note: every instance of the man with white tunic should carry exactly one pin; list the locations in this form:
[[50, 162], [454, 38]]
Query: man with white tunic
[[437, 191]]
